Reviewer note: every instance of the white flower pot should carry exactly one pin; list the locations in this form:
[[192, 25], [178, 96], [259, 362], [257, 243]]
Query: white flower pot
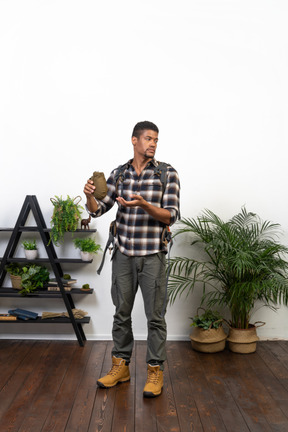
[[86, 256], [31, 254]]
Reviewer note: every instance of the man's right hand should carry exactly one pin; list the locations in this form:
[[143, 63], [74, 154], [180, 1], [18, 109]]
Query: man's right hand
[[89, 188]]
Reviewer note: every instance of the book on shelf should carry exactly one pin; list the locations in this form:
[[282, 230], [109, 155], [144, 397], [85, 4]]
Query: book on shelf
[[7, 317], [64, 281], [23, 314], [56, 288], [22, 317]]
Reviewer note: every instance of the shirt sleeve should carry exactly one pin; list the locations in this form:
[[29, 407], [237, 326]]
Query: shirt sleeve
[[171, 196]]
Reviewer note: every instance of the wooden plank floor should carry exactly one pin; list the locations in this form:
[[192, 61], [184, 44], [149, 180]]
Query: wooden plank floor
[[51, 386]]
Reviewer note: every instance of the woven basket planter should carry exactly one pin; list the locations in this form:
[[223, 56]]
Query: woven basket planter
[[243, 341], [16, 281], [208, 341]]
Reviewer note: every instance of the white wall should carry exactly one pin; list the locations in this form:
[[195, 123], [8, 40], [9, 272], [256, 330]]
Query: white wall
[[76, 76]]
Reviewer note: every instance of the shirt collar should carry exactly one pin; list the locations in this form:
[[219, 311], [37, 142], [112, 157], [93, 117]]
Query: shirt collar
[[152, 162]]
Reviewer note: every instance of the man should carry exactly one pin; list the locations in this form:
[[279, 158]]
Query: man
[[144, 210]]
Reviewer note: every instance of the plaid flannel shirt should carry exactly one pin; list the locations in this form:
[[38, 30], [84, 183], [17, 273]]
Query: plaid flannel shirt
[[138, 233]]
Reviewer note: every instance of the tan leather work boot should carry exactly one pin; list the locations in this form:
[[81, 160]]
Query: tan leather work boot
[[154, 383], [119, 373]]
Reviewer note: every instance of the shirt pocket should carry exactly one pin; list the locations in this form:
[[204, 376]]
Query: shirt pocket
[[124, 189], [152, 191]]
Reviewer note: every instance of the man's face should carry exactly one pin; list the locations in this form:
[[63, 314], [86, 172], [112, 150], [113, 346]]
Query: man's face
[[145, 146]]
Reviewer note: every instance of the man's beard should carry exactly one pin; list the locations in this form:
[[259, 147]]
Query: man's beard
[[149, 156]]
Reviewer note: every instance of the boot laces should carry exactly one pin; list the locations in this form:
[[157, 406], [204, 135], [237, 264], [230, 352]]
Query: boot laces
[[114, 370], [153, 377]]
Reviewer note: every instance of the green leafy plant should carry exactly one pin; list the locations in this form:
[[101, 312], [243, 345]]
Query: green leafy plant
[[66, 276], [65, 217], [240, 261], [86, 287], [33, 277], [87, 244], [29, 245], [208, 320], [14, 269]]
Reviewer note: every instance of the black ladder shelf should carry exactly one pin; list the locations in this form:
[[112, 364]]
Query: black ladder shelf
[[31, 204]]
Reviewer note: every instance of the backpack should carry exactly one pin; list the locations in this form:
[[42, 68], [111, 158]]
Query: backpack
[[161, 172]]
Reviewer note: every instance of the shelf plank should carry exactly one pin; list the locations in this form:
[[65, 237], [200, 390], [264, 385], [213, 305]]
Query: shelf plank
[[39, 320], [46, 260], [31, 228], [11, 292]]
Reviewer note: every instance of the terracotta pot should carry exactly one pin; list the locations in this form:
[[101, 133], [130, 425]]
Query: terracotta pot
[[208, 341], [243, 341]]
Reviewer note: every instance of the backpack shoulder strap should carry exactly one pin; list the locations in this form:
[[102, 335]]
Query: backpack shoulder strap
[[119, 175], [112, 234], [161, 171]]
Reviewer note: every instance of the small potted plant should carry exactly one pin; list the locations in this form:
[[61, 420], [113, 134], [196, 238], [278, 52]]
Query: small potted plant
[[65, 217], [208, 334], [15, 271], [27, 278], [87, 247], [30, 249], [85, 287]]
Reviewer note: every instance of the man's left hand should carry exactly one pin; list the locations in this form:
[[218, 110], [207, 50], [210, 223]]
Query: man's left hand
[[158, 213], [136, 201]]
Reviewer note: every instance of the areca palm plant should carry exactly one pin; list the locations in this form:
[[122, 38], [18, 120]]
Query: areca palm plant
[[241, 262]]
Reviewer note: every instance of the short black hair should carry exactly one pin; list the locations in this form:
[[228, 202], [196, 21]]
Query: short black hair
[[144, 125]]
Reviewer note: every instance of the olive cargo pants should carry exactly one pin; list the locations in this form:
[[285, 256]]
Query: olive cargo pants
[[149, 272]]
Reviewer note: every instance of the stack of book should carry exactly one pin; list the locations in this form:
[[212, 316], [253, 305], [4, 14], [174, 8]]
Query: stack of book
[[67, 283], [23, 314]]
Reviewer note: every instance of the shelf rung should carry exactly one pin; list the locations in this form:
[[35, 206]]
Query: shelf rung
[[11, 292], [35, 228], [46, 260], [39, 320]]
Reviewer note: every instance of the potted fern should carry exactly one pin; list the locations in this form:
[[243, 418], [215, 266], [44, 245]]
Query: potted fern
[[65, 217], [30, 249], [208, 334], [88, 247], [238, 263], [15, 272]]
